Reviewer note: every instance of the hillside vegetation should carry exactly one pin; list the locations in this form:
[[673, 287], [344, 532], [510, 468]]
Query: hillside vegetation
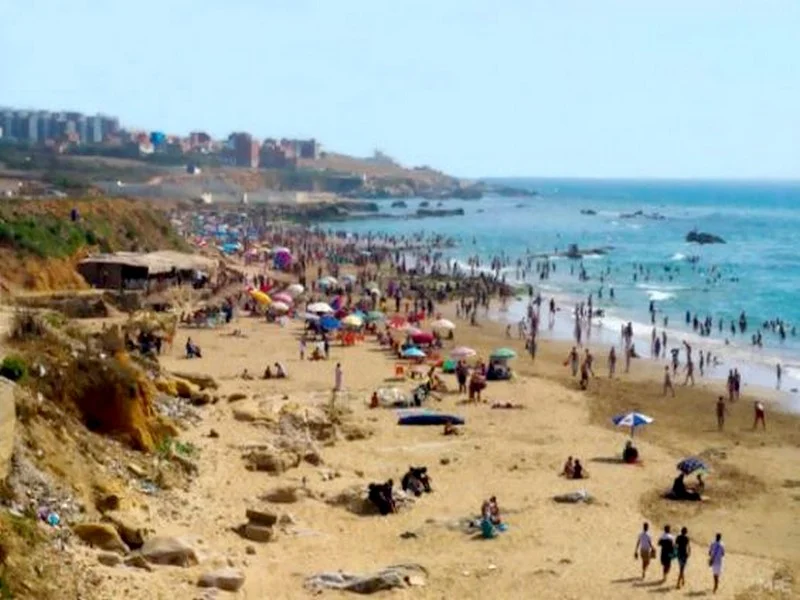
[[40, 244]]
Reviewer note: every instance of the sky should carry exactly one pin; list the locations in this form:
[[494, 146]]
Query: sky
[[592, 88]]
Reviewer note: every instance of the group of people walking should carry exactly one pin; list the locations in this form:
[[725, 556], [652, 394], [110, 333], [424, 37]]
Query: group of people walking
[[678, 548]]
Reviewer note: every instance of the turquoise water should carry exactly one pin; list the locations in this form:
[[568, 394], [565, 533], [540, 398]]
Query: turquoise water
[[759, 266]]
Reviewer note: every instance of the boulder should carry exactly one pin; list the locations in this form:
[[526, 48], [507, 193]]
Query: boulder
[[272, 460], [129, 529], [261, 517], [700, 237], [138, 561], [7, 424], [288, 494], [173, 551], [202, 381], [185, 389], [229, 580], [257, 533], [101, 535]]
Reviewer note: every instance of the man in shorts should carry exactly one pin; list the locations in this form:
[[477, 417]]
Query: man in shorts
[[716, 552], [644, 548], [667, 544]]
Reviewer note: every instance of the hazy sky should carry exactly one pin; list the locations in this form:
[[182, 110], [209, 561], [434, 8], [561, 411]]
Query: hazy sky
[[594, 88]]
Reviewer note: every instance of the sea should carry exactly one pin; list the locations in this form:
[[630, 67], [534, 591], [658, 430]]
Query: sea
[[643, 225]]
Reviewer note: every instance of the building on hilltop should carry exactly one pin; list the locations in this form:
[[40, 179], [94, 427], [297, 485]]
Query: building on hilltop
[[245, 150]]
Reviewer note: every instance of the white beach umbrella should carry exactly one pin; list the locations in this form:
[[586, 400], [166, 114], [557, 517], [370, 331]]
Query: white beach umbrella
[[279, 307], [295, 290], [319, 308], [462, 352], [443, 324], [327, 281]]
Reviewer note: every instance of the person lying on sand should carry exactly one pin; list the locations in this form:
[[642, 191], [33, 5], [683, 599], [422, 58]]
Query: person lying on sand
[[507, 405]]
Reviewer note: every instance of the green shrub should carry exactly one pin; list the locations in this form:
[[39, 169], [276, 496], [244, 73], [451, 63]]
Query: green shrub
[[13, 367]]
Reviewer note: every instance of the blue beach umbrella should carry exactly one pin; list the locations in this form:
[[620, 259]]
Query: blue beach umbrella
[[413, 352], [329, 323], [691, 464]]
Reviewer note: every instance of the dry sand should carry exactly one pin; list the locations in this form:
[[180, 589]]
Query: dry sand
[[550, 550]]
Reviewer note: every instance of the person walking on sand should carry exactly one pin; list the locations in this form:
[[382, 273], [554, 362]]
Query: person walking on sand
[[668, 382], [760, 415], [303, 348], [721, 410], [644, 548], [338, 375], [716, 552], [612, 362], [689, 373], [572, 361], [683, 552], [778, 375], [667, 544]]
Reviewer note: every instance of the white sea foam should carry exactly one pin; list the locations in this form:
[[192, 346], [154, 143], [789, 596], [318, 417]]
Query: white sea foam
[[678, 256], [659, 296]]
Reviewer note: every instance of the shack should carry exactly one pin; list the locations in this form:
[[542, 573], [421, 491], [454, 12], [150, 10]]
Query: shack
[[140, 271]]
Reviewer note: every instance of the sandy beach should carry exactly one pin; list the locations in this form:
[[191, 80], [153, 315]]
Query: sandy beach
[[550, 550]]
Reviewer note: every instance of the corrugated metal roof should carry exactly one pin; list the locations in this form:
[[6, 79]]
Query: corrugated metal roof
[[162, 261]]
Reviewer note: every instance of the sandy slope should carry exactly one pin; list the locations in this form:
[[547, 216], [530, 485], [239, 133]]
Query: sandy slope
[[550, 551]]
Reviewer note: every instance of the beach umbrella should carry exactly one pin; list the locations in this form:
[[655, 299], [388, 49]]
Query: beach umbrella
[[397, 321], [327, 281], [449, 366], [279, 307], [443, 324], [691, 464], [319, 307], [353, 321], [282, 297], [374, 316], [330, 323], [311, 317], [422, 337], [281, 250], [260, 297], [632, 420], [349, 278], [462, 352], [413, 352], [502, 354], [374, 291], [295, 290]]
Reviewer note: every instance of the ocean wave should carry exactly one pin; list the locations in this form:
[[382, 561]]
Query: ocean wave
[[659, 296], [678, 256]]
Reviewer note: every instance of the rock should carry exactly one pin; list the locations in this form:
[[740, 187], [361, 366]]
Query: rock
[[444, 461], [245, 414], [261, 517], [109, 559], [169, 551], [236, 396], [229, 580], [101, 535], [250, 549], [185, 389], [700, 237], [131, 531], [136, 470], [138, 561], [257, 533], [188, 465], [396, 576], [202, 381], [287, 519], [272, 460], [200, 398], [8, 419], [213, 433], [286, 494]]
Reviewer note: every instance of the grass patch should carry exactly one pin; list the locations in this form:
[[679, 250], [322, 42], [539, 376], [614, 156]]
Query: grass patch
[[45, 236]]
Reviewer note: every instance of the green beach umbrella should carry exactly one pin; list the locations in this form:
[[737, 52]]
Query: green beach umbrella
[[375, 315], [503, 354]]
